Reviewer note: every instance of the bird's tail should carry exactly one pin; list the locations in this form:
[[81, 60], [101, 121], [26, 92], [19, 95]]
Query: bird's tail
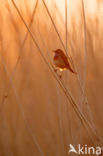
[[69, 68]]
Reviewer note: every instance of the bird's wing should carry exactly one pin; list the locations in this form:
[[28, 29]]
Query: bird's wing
[[67, 63], [64, 58], [69, 66]]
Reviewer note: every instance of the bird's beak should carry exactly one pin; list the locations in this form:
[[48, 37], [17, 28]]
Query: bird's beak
[[53, 51]]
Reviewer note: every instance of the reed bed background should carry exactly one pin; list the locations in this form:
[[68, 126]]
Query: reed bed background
[[39, 113]]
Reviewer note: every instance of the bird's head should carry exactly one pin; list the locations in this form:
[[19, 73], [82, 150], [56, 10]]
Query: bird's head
[[57, 51], [54, 51]]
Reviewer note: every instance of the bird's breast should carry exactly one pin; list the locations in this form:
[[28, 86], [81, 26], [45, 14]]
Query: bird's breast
[[59, 62]]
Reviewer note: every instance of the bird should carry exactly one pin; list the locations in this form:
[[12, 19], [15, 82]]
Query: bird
[[61, 61]]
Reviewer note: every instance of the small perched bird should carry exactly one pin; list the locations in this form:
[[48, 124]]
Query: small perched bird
[[61, 61]]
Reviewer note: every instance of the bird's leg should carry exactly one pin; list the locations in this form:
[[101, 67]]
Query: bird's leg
[[60, 75], [55, 70]]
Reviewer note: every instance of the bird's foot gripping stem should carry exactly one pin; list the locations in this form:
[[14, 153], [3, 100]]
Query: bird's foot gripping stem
[[55, 70], [59, 74]]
